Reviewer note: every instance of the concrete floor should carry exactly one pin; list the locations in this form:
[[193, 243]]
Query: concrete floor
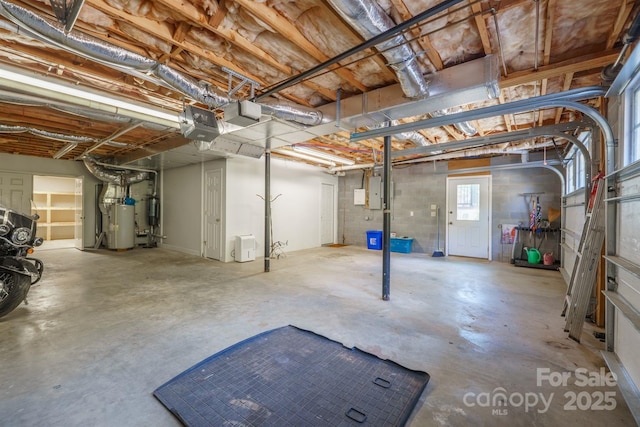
[[105, 328]]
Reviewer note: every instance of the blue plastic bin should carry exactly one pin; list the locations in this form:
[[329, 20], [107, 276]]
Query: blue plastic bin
[[401, 244], [374, 239]]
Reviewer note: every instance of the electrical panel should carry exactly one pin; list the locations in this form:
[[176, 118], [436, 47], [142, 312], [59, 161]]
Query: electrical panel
[[375, 192]]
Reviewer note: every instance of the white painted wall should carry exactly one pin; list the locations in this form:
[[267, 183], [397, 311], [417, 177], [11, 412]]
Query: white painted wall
[[295, 214]]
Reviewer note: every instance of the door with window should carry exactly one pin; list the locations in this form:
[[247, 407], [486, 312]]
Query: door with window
[[468, 216]]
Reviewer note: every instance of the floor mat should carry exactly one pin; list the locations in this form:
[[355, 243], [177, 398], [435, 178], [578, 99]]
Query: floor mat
[[292, 377]]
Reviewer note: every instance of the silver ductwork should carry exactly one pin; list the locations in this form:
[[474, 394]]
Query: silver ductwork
[[414, 136], [114, 176], [292, 112], [468, 82], [464, 127], [369, 20], [45, 134], [125, 60]]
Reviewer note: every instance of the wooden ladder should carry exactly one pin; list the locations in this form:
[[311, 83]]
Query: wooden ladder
[[583, 277]]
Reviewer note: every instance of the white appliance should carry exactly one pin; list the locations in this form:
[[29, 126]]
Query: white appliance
[[121, 232], [245, 249]]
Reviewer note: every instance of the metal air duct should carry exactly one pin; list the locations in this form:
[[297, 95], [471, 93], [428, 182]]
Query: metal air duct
[[368, 18], [115, 176], [116, 57]]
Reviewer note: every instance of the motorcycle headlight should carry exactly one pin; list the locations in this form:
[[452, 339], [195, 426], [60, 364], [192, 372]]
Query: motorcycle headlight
[[21, 236], [38, 241], [4, 229]]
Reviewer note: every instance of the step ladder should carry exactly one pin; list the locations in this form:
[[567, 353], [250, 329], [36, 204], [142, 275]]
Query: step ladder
[[583, 277]]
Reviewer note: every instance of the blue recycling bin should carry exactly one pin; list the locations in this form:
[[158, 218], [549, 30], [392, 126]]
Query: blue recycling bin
[[374, 239]]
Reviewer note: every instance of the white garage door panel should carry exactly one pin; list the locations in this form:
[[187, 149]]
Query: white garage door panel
[[629, 232], [629, 288], [627, 346]]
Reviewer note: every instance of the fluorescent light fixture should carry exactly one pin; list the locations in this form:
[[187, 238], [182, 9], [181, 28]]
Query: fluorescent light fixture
[[304, 157], [46, 87], [64, 150], [323, 155]]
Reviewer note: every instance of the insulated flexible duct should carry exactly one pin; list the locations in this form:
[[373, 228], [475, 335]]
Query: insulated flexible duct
[[117, 57], [115, 176], [368, 18], [413, 136], [45, 134], [293, 112]]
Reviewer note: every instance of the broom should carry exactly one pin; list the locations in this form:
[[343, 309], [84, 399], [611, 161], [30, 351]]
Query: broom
[[438, 252]]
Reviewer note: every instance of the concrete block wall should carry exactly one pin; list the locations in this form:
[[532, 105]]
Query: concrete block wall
[[417, 187]]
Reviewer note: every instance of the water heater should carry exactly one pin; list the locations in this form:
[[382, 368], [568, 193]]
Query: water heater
[[121, 232]]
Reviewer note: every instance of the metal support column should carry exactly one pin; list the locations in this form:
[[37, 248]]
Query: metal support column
[[267, 206], [386, 225]]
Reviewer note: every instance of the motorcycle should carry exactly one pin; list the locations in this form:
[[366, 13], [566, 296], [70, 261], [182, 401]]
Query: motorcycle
[[18, 271]]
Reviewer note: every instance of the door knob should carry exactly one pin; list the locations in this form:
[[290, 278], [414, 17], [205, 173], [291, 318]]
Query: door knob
[[450, 223]]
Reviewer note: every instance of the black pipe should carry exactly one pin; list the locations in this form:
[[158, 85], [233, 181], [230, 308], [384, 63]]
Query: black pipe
[[386, 222], [362, 46], [267, 207]]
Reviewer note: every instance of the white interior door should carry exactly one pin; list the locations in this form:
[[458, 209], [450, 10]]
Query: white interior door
[[326, 215], [15, 192], [213, 214], [468, 216], [78, 231]]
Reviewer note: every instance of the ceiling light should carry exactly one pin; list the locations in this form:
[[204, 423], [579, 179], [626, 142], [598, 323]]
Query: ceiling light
[[304, 157], [39, 85], [323, 155]]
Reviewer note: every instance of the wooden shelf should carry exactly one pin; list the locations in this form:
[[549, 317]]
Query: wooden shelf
[[57, 212]]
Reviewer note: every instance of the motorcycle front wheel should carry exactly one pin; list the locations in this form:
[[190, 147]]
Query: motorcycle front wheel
[[13, 290]]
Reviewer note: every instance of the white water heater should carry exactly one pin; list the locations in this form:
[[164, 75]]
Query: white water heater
[[245, 249], [121, 232]]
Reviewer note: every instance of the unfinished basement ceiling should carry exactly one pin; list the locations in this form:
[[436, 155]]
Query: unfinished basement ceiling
[[539, 46]]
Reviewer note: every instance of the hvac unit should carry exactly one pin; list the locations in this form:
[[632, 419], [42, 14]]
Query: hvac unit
[[245, 249], [242, 113], [198, 123]]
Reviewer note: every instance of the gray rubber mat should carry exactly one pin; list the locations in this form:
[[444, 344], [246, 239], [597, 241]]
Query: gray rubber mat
[[292, 377]]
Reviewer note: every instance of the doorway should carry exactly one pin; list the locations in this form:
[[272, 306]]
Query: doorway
[[468, 216], [58, 202]]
